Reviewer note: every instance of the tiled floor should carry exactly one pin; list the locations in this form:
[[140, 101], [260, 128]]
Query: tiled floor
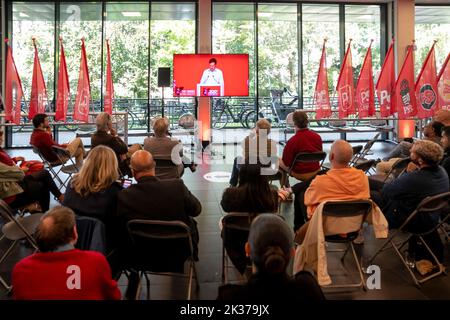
[[395, 281]]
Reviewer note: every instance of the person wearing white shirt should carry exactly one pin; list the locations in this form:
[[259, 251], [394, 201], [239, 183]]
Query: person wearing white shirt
[[213, 76]]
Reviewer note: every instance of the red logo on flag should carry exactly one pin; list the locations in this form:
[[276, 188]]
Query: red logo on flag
[[405, 99], [426, 87]]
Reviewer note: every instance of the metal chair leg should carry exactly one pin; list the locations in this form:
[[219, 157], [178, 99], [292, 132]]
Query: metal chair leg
[[345, 253], [405, 264], [190, 280], [441, 266], [147, 280], [361, 275]]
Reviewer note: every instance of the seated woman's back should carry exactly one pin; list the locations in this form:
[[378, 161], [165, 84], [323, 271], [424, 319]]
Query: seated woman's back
[[93, 191]]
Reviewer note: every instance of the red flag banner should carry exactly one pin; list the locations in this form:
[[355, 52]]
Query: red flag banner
[[405, 99], [321, 94], [13, 90], [345, 88], [365, 96], [386, 83], [444, 85], [38, 100], [81, 107], [426, 87], [63, 90], [109, 93]]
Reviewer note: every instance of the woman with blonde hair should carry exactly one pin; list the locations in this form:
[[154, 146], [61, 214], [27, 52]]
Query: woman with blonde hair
[[93, 191]]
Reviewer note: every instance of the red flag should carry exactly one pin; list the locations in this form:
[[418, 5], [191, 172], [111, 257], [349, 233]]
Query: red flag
[[345, 88], [321, 95], [386, 84], [13, 90], [426, 87], [365, 96], [63, 90], [109, 93], [444, 84], [38, 100], [81, 107], [404, 96]]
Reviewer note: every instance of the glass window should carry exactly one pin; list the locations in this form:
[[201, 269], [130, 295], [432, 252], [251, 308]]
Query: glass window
[[362, 24], [82, 20], [432, 23], [319, 22], [34, 20], [233, 31], [277, 48]]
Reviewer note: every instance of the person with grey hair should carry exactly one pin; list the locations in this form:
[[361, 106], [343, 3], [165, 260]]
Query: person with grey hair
[[106, 135], [256, 148], [401, 197], [270, 247], [59, 271]]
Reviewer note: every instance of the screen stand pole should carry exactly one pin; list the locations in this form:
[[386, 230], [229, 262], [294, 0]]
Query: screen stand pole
[[162, 102]]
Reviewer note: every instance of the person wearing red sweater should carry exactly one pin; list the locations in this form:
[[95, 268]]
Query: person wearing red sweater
[[59, 271], [304, 140], [41, 138]]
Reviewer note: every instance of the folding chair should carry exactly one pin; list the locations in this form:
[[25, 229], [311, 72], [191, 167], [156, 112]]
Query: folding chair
[[152, 234], [429, 205], [398, 168], [365, 151], [365, 165], [356, 151], [305, 157], [15, 230], [357, 212], [235, 226]]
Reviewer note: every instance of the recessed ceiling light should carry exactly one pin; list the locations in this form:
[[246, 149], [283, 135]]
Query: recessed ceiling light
[[131, 14]]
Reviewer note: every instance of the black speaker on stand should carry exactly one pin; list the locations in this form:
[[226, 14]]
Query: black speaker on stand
[[163, 81]]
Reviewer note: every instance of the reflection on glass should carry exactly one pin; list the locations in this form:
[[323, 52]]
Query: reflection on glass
[[80, 20], [319, 22], [277, 48], [432, 23], [33, 20], [362, 23]]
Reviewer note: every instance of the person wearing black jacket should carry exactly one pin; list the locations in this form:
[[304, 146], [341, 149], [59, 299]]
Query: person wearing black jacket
[[270, 247], [445, 142]]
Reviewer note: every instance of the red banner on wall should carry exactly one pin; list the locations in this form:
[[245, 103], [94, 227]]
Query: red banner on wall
[[345, 88], [365, 96], [13, 89], [321, 94], [38, 100], [81, 107], [444, 85], [63, 90], [426, 87], [108, 99], [386, 83], [405, 98]]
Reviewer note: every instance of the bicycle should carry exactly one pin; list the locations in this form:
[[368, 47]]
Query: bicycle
[[222, 114]]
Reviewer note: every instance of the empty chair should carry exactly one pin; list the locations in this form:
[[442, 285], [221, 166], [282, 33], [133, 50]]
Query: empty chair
[[438, 204], [365, 165], [235, 229], [15, 230], [162, 247]]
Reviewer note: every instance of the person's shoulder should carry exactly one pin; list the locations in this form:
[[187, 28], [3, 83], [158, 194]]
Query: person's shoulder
[[90, 256], [306, 286]]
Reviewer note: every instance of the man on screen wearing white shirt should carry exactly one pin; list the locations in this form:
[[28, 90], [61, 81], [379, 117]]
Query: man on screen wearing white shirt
[[213, 76]]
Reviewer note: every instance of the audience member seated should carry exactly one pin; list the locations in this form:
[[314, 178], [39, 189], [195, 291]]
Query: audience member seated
[[41, 138], [304, 140], [341, 182], [399, 198], [155, 199], [432, 132], [253, 195], [251, 149], [270, 247], [59, 271], [106, 135], [20, 186], [163, 148], [445, 143], [93, 191]]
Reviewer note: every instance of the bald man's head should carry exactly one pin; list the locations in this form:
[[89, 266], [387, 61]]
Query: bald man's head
[[142, 163], [341, 153]]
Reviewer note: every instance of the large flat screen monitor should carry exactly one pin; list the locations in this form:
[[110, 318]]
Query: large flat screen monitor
[[210, 75]]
